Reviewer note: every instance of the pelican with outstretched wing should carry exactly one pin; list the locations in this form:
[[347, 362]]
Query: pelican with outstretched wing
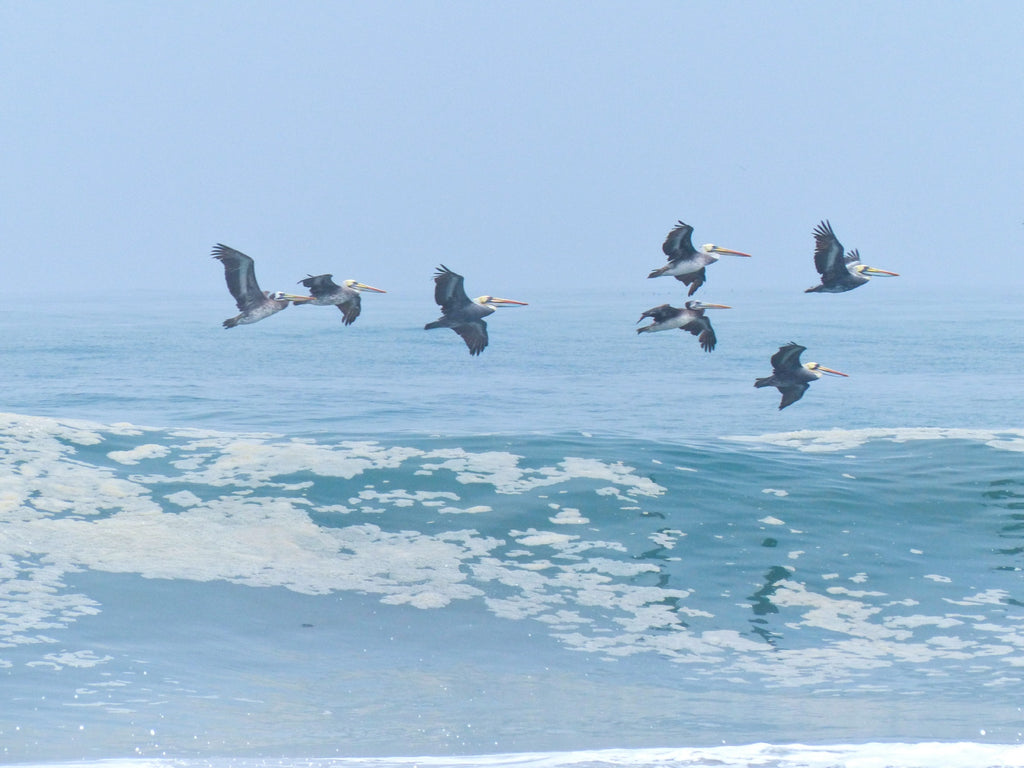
[[690, 317], [839, 273], [686, 263], [463, 315], [791, 377], [254, 304], [345, 297]]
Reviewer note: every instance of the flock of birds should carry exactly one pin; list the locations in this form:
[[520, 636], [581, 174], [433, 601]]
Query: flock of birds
[[458, 312], [838, 271]]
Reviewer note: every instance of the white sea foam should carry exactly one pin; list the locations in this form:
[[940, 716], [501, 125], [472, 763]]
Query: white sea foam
[[247, 461], [477, 509], [503, 471], [667, 538], [137, 454], [830, 440], [214, 507], [569, 516], [928, 754], [62, 659], [403, 498], [260, 534]]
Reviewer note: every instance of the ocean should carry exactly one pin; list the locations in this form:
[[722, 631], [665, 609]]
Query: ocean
[[302, 544]]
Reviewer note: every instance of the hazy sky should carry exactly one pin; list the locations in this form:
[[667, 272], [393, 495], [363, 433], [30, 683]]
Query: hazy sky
[[520, 142]]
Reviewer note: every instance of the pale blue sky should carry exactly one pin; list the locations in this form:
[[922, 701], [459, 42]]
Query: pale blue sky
[[520, 143]]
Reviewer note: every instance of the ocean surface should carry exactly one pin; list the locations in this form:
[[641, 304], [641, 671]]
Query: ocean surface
[[300, 544]]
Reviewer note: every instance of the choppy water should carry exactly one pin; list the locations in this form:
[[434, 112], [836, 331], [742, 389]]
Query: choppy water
[[296, 541]]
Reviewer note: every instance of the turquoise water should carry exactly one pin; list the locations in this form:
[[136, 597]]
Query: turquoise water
[[559, 365], [296, 540]]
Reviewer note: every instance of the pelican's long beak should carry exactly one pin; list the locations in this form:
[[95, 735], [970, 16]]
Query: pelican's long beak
[[714, 306], [877, 271], [507, 302], [823, 369], [716, 249], [365, 287], [282, 296]]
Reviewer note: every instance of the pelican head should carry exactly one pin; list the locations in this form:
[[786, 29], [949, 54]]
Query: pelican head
[[355, 285], [817, 369], [282, 296], [695, 305], [713, 250], [495, 303], [866, 271]]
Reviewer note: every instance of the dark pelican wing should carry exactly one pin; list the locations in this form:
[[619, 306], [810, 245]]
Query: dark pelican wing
[[853, 256], [474, 333], [787, 359], [697, 279], [449, 293], [701, 327], [828, 253], [792, 393], [320, 285], [678, 244], [350, 309], [660, 313], [240, 276]]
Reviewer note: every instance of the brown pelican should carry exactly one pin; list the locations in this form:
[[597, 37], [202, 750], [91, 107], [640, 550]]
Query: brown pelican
[[838, 274], [689, 318], [462, 315], [345, 296], [685, 262], [790, 377], [241, 278]]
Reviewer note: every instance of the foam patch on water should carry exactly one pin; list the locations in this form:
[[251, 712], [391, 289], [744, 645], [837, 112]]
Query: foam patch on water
[[503, 470], [831, 440], [206, 506], [428, 527], [868, 755], [868, 639], [134, 456], [865, 755], [569, 516]]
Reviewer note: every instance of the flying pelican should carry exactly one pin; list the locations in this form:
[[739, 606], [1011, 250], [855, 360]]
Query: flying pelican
[[685, 262], [241, 279], [689, 318], [790, 377], [462, 315], [838, 274], [345, 296]]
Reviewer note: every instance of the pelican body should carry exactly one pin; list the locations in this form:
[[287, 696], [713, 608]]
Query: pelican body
[[839, 273], [686, 263], [791, 377], [253, 303], [460, 313], [688, 318], [345, 297]]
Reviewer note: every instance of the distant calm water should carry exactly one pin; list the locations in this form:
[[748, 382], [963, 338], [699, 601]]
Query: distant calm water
[[296, 540]]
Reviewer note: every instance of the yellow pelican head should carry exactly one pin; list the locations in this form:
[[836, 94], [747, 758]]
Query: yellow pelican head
[[866, 271], [694, 304], [495, 303], [357, 286], [282, 296], [713, 250], [817, 369]]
